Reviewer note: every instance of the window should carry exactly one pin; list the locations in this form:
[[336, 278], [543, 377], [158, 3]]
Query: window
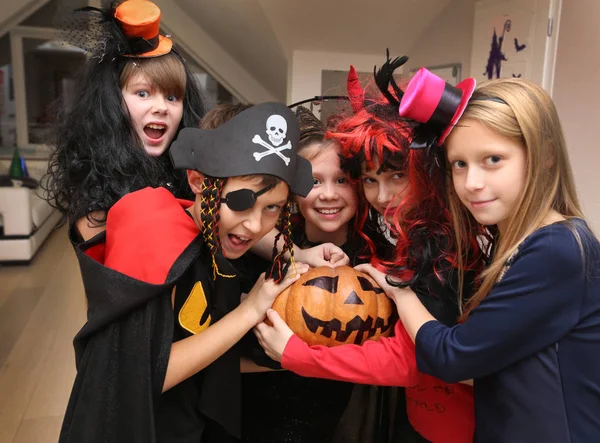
[[31, 86]]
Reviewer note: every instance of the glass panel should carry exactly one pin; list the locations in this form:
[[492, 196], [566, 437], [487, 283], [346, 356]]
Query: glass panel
[[7, 101], [49, 70]]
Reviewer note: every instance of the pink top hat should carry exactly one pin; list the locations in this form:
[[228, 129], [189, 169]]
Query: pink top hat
[[430, 100]]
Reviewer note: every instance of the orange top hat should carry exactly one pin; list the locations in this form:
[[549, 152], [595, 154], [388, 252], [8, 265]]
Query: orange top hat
[[140, 22]]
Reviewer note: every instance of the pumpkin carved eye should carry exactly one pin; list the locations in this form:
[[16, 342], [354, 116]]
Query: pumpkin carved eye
[[330, 284], [332, 306], [366, 285]]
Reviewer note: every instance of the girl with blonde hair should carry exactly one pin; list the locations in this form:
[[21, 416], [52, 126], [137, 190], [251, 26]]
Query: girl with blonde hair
[[529, 335]]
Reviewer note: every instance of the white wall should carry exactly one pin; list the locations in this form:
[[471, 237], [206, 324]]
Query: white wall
[[243, 30], [305, 70], [576, 94], [447, 40], [210, 55]]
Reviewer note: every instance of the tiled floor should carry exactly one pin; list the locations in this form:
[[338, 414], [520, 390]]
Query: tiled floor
[[42, 306]]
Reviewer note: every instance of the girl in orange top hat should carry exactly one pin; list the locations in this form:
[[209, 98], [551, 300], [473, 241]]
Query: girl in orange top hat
[[132, 98]]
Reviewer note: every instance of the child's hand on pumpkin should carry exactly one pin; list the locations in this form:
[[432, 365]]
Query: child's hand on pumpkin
[[393, 292], [379, 277], [274, 338], [325, 254], [264, 292]]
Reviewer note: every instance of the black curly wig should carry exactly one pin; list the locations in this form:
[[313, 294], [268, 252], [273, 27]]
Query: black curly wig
[[98, 156]]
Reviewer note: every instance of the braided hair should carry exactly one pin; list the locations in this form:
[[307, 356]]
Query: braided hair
[[210, 203], [280, 265]]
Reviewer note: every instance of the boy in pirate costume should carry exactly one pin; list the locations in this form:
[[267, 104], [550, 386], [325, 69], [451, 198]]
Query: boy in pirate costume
[[164, 309]]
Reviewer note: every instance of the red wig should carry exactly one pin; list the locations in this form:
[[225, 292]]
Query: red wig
[[377, 135]]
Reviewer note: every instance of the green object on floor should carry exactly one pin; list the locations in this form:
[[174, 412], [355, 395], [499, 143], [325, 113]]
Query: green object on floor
[[16, 166]]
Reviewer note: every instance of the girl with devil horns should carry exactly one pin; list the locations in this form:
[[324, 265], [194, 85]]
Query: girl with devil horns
[[398, 165]]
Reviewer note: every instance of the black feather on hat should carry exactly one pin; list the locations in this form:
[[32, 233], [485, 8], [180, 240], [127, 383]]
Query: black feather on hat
[[310, 125], [127, 28]]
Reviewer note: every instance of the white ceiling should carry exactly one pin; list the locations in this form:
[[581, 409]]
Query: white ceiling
[[351, 26], [262, 34]]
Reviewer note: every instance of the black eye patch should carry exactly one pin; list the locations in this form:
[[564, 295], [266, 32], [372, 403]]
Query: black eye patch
[[366, 285], [327, 283], [243, 199]]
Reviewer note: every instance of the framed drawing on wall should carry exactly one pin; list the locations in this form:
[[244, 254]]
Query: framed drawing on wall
[[515, 38]]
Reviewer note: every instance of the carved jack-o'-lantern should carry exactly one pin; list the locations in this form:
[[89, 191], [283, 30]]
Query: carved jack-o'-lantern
[[334, 306]]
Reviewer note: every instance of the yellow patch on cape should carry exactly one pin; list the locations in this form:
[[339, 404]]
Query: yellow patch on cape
[[193, 309]]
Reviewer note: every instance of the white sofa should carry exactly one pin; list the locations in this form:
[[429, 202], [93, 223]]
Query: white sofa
[[27, 220]]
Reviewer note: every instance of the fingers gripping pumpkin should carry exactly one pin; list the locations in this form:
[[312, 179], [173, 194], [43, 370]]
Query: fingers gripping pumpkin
[[335, 306]]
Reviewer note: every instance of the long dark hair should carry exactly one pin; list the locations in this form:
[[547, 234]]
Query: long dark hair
[[98, 156], [422, 225]]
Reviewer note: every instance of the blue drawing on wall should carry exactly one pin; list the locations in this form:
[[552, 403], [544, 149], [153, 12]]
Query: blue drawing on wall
[[494, 64]]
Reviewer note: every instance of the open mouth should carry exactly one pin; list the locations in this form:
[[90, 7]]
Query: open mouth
[[155, 131], [238, 241], [364, 328], [328, 211]]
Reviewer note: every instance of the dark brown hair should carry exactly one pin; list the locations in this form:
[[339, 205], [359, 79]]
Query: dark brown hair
[[222, 113]]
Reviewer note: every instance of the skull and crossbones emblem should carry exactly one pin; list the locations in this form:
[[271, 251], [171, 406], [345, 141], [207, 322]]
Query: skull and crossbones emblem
[[276, 132]]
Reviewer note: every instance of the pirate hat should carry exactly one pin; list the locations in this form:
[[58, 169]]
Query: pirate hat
[[429, 99], [260, 140], [139, 21]]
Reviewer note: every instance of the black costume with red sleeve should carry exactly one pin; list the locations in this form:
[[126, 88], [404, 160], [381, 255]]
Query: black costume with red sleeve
[[150, 246]]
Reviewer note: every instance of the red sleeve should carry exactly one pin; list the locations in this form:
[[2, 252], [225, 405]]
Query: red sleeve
[[387, 362], [146, 231]]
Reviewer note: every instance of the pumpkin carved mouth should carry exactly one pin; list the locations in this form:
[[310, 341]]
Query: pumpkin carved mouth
[[334, 306], [357, 324]]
